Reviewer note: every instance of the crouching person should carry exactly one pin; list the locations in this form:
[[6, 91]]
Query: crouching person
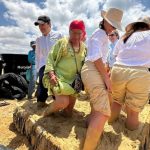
[[64, 61]]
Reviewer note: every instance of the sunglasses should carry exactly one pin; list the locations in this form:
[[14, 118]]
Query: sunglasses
[[111, 34]]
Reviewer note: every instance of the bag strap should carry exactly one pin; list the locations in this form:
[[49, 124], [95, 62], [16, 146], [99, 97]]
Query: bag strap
[[75, 58]]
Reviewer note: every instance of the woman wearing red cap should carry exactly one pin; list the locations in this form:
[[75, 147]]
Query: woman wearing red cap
[[65, 59]]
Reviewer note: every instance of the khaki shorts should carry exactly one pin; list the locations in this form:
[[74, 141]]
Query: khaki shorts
[[130, 86], [95, 86]]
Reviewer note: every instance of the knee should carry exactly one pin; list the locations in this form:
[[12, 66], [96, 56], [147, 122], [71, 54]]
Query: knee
[[132, 125], [131, 113], [64, 103], [116, 106], [98, 120]]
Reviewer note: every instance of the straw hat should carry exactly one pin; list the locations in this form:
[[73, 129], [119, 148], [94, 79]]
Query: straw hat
[[145, 20], [113, 16]]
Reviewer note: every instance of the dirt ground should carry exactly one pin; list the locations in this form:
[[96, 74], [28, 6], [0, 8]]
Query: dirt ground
[[70, 133], [9, 137]]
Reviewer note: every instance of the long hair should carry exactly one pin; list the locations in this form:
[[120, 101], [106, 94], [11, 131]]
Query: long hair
[[138, 26], [101, 25]]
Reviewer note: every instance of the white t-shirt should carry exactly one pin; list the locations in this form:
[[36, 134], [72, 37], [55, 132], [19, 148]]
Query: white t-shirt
[[135, 52], [97, 46], [43, 46]]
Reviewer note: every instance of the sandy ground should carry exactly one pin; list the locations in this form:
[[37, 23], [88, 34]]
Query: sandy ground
[[71, 132], [9, 137]]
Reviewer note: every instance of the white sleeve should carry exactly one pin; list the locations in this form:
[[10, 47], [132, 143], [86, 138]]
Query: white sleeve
[[94, 49], [117, 48]]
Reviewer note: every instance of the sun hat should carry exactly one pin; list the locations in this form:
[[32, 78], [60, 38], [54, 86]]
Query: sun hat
[[113, 16], [145, 20]]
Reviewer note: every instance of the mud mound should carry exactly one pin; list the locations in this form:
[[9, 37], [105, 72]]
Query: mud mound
[[61, 133]]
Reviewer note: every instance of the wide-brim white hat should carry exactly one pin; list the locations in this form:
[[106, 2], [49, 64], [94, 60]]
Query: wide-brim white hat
[[113, 16], [145, 20]]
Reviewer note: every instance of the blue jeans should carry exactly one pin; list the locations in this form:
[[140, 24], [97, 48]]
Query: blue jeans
[[32, 82], [41, 91]]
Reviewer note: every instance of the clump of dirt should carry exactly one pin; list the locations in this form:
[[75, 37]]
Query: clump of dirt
[[9, 136], [69, 133]]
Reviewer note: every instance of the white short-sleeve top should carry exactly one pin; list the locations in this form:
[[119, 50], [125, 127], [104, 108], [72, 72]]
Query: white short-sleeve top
[[135, 52], [97, 46]]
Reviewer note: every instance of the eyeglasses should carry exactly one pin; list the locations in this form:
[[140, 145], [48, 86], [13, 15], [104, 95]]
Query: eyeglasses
[[111, 34]]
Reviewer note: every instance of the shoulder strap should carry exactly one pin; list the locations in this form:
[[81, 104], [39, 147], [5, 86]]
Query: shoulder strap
[[75, 59]]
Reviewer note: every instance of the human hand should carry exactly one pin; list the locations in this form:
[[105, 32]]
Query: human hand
[[107, 82], [53, 78]]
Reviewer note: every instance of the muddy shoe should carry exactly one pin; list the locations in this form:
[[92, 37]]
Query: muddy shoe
[[41, 104], [30, 98]]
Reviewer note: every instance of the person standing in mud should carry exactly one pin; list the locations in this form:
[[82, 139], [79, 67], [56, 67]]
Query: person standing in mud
[[95, 77], [43, 46]]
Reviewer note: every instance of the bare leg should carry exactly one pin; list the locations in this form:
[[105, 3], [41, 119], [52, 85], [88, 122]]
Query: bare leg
[[61, 102], [94, 130], [110, 98], [132, 121], [69, 109], [115, 111], [89, 116]]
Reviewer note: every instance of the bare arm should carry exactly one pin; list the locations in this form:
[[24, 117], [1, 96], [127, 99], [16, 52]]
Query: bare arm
[[101, 68]]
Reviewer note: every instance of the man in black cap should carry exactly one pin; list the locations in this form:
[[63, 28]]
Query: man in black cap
[[43, 46]]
